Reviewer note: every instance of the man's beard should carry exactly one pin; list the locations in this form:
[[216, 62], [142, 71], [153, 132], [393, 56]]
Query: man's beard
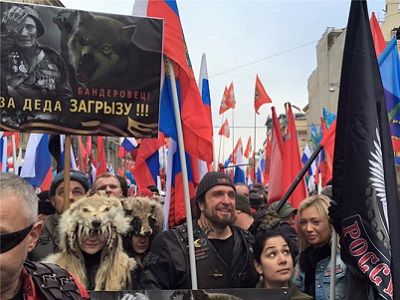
[[217, 221]]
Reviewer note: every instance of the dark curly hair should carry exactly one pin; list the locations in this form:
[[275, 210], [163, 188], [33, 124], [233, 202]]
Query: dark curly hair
[[267, 234]]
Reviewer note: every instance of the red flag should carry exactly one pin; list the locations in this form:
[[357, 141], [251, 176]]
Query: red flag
[[142, 170], [377, 35], [89, 145], [197, 133], [275, 191], [9, 145], [260, 95], [228, 99], [47, 180], [268, 150], [224, 129], [292, 161], [231, 100], [121, 152], [224, 104], [84, 155], [101, 157], [238, 147], [248, 150], [328, 144]]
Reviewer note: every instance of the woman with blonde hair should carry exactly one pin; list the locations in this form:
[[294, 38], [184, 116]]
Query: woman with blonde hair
[[313, 272]]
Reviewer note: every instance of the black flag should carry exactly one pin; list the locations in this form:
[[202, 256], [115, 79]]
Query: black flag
[[367, 214]]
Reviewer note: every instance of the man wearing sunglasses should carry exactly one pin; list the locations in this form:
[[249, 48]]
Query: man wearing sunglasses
[[19, 231]]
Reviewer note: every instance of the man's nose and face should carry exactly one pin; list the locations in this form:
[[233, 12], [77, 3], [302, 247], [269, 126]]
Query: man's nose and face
[[18, 237], [28, 33], [110, 185], [76, 192], [219, 205]]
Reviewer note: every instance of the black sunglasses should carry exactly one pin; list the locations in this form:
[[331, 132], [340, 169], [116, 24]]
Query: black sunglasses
[[10, 240]]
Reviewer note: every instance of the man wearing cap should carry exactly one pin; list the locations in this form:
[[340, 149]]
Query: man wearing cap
[[287, 215], [78, 187], [244, 217], [223, 252], [28, 69]]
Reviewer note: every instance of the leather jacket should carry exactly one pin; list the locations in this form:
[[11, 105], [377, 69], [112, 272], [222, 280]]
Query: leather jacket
[[167, 264], [56, 285]]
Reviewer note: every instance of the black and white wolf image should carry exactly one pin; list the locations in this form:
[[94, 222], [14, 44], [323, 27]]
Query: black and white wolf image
[[102, 52]]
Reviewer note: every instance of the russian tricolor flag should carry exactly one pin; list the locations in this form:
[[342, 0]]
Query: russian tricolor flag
[[305, 157], [206, 98], [3, 152], [73, 165], [147, 164], [174, 205], [240, 170], [36, 168], [129, 144]]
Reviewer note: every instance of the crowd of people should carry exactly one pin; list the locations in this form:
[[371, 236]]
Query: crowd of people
[[105, 241]]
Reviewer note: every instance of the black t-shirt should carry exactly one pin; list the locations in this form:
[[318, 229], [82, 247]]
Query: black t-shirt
[[20, 295], [224, 248]]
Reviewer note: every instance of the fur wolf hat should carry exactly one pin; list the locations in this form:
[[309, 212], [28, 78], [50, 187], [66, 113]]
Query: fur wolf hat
[[104, 215], [145, 215]]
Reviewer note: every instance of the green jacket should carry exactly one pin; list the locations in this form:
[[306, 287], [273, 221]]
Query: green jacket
[[48, 240]]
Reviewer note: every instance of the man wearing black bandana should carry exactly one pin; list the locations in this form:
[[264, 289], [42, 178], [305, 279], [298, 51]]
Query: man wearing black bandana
[[19, 232]]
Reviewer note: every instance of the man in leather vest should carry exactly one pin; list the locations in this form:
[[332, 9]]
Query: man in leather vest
[[19, 232], [223, 252]]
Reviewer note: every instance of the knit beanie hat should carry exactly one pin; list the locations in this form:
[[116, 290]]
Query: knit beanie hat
[[210, 180], [243, 203], [74, 176]]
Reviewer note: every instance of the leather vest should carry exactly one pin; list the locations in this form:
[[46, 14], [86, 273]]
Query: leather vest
[[53, 281], [212, 271]]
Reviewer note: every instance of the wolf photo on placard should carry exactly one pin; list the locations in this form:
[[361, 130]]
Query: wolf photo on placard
[[87, 73]]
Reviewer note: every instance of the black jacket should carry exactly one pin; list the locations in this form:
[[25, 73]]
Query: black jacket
[[167, 264]]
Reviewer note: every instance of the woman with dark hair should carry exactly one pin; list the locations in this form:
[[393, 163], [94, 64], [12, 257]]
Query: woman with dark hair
[[274, 263], [146, 219]]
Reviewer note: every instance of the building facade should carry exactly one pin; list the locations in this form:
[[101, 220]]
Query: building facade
[[324, 81]]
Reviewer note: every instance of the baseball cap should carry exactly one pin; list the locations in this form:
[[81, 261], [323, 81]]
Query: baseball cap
[[74, 176], [285, 211], [243, 203]]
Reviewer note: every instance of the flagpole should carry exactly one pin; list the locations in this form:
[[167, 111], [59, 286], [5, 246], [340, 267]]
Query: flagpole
[[333, 264], [220, 139], [233, 129], [193, 273], [298, 178], [219, 150], [254, 148], [67, 170], [80, 154], [14, 152]]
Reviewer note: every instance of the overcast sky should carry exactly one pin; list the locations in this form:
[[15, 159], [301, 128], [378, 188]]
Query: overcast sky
[[275, 39]]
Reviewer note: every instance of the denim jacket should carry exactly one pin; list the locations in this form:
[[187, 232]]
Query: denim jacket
[[322, 279]]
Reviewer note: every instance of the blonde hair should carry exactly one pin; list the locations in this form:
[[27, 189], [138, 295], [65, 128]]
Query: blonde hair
[[321, 203]]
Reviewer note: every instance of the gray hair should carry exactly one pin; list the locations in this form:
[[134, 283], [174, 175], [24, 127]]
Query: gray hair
[[11, 184]]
